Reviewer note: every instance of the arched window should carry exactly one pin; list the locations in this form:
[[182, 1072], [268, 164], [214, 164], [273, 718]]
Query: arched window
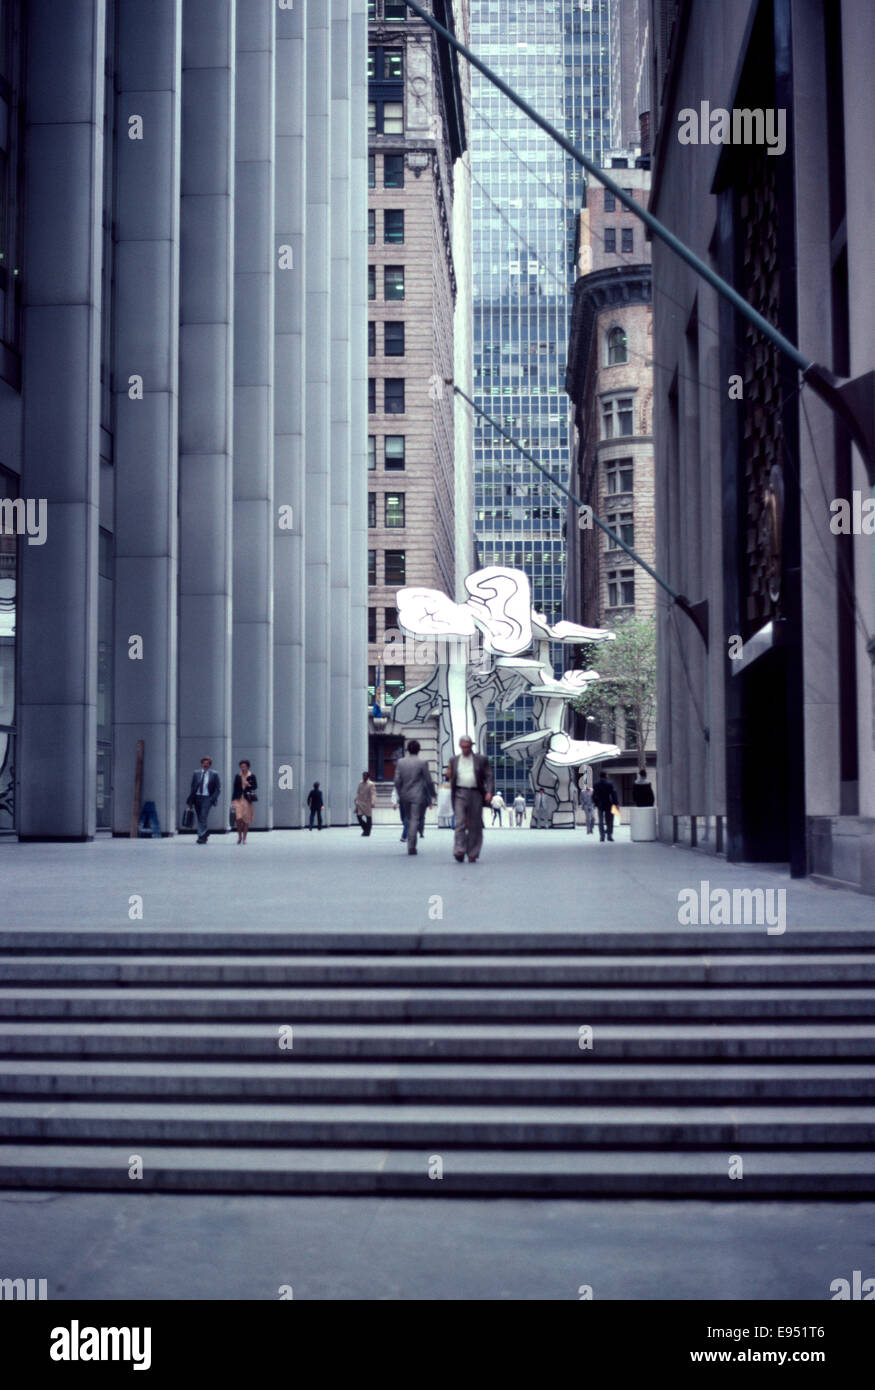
[[618, 347]]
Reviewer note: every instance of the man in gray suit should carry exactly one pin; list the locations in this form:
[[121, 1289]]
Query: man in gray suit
[[205, 789], [415, 790], [472, 786]]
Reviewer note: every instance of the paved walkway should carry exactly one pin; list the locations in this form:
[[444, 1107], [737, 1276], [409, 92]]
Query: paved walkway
[[557, 879]]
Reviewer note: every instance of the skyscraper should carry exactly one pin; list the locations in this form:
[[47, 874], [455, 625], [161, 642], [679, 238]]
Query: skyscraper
[[526, 193]]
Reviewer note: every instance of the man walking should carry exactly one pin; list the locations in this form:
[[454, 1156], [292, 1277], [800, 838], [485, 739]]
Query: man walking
[[604, 796], [519, 808], [315, 801], [365, 801], [497, 805], [472, 785], [205, 789], [415, 790]]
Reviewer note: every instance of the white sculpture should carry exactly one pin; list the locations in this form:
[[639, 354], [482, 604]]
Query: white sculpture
[[460, 689]]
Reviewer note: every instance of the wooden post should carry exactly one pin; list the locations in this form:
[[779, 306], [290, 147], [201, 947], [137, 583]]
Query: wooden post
[[138, 790]]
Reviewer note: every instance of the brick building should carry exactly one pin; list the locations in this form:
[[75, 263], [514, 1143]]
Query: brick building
[[610, 383], [418, 291]]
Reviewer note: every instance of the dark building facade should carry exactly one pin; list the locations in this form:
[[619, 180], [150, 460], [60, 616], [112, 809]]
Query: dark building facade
[[766, 738]]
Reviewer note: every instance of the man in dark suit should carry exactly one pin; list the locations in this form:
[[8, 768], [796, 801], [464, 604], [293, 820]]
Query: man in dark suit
[[471, 785], [315, 801], [604, 796], [205, 789], [415, 791]]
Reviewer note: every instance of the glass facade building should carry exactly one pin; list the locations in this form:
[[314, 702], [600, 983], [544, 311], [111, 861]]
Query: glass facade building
[[526, 194]]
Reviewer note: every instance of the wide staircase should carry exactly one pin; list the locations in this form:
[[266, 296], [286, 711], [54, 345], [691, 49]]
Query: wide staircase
[[719, 1063]]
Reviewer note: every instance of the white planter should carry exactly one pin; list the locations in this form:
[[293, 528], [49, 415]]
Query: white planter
[[642, 823]]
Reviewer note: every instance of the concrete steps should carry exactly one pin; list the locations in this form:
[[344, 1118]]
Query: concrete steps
[[431, 1044], [392, 1004], [368, 971]]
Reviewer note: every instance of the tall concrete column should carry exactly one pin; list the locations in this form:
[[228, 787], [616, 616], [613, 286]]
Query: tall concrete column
[[254, 261], [206, 343], [317, 317], [145, 370], [358, 482], [339, 778], [63, 198], [290, 415]]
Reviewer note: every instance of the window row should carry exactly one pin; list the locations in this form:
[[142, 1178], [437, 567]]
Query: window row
[[627, 239], [391, 686], [393, 339], [393, 452], [393, 395], [394, 567], [386, 117], [390, 10], [393, 171], [390, 622], [393, 226], [393, 282], [385, 64], [393, 509]]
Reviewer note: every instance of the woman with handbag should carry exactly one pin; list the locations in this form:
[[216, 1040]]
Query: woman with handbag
[[244, 796]]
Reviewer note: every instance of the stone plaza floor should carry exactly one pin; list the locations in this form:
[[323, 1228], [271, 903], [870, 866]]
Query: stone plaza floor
[[146, 1245]]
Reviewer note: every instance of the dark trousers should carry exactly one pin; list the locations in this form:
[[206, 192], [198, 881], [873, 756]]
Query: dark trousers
[[202, 806], [365, 822], [413, 815], [316, 814], [606, 822], [468, 808]]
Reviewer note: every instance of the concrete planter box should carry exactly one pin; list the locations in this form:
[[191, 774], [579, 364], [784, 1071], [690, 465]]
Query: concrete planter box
[[642, 823]]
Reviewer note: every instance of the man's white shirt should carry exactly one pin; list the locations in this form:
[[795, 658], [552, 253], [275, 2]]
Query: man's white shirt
[[466, 773]]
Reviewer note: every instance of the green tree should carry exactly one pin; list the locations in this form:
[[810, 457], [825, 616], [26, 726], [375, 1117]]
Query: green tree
[[627, 670]]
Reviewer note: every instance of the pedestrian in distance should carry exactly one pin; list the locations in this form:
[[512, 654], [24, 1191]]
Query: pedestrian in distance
[[588, 807], [445, 803], [497, 805], [416, 791], [315, 801], [519, 808], [245, 793], [365, 801], [472, 786], [540, 812], [604, 796], [205, 789]]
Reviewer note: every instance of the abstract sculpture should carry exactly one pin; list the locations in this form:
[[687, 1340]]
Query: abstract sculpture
[[461, 688]]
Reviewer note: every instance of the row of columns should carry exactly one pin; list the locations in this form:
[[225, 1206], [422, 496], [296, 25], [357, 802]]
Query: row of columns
[[238, 367]]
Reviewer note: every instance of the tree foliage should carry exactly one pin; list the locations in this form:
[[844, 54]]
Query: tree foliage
[[627, 668]]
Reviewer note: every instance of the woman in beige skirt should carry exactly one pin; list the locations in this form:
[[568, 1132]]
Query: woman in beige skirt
[[244, 795]]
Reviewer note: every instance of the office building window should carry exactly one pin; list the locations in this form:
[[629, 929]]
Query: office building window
[[393, 225], [393, 400], [372, 226], [395, 567], [386, 117], [394, 683], [393, 171], [621, 588], [372, 9], [610, 201], [393, 64], [372, 566], [372, 171], [372, 509], [394, 339], [393, 282], [622, 524], [372, 396], [393, 513], [394, 12], [372, 282], [394, 451], [619, 476], [390, 619], [372, 117], [610, 239], [372, 624], [372, 453], [618, 347], [617, 417], [628, 239], [372, 339]]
